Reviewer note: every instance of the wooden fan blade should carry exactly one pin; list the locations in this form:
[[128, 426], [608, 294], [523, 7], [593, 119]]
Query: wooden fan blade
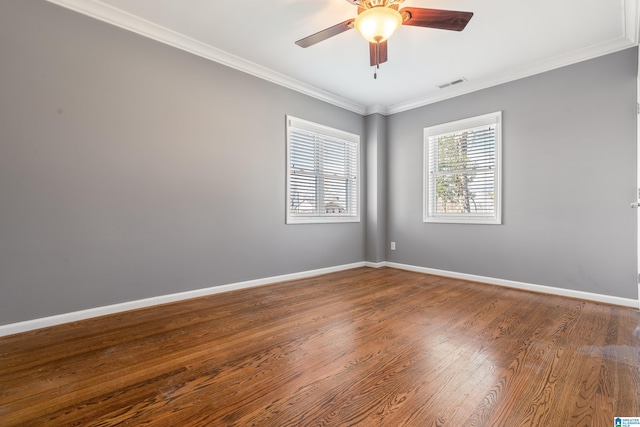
[[380, 55], [436, 18], [326, 33]]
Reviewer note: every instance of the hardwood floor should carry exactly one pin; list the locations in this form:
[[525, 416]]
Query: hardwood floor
[[365, 347]]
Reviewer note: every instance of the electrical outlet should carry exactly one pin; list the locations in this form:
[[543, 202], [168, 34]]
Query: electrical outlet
[[393, 246]]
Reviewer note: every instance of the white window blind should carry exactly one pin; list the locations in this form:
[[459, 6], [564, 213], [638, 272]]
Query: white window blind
[[322, 173], [462, 171]]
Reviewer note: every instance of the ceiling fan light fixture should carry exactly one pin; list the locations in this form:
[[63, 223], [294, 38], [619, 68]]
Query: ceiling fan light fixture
[[377, 24]]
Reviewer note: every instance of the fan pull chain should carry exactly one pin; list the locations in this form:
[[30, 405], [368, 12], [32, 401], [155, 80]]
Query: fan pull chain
[[377, 56]]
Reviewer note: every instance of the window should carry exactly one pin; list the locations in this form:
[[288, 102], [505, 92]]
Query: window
[[462, 171], [323, 173]]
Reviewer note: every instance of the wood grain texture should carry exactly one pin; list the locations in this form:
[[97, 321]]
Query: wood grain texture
[[378, 53], [366, 347], [436, 18], [326, 33]]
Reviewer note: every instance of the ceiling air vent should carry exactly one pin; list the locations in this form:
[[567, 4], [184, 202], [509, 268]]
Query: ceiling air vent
[[452, 83]]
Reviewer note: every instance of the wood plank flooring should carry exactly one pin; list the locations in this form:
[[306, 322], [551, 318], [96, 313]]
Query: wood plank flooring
[[364, 347]]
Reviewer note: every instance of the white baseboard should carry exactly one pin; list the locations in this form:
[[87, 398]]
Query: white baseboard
[[626, 302], [44, 322], [14, 328], [375, 264]]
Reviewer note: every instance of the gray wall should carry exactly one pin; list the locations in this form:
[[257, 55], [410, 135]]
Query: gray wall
[[130, 169], [376, 185], [569, 174]]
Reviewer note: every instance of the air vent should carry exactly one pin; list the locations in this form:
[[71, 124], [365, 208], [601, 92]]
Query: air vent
[[452, 83]]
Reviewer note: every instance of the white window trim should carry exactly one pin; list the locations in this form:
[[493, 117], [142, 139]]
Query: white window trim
[[335, 133], [461, 125]]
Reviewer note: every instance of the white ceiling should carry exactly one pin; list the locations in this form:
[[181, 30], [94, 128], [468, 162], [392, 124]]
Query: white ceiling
[[505, 40]]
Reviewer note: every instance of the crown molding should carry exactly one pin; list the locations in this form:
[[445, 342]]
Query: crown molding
[[632, 21], [106, 13], [628, 38], [515, 74], [376, 109]]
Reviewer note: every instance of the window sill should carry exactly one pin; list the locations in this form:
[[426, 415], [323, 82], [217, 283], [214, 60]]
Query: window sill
[[321, 220], [478, 221]]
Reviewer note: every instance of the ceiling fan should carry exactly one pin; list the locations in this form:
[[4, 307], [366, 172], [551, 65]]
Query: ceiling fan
[[377, 20]]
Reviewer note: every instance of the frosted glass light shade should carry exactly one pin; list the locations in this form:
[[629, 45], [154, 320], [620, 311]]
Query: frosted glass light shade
[[378, 23]]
